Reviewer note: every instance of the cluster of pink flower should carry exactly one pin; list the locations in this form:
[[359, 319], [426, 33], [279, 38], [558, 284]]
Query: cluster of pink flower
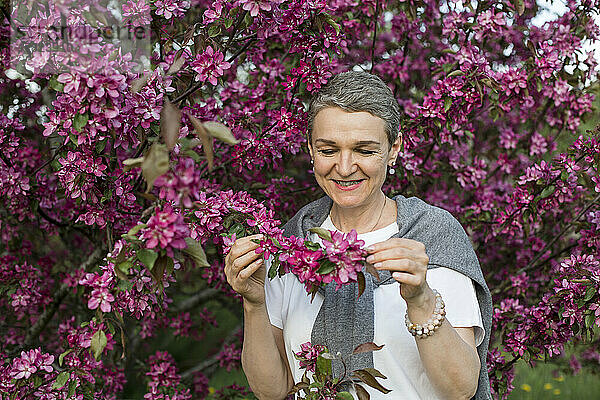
[[17, 378], [165, 229], [136, 13], [164, 382], [209, 65], [308, 355], [340, 261], [182, 184], [229, 358], [102, 285]]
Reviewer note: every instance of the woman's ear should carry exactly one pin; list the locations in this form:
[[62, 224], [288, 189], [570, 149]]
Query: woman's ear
[[396, 147]]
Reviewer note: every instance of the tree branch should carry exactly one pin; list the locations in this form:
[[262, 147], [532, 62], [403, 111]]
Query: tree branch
[[211, 362], [62, 292], [196, 299], [566, 228]]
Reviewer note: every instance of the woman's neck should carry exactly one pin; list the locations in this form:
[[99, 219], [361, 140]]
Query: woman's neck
[[376, 215]]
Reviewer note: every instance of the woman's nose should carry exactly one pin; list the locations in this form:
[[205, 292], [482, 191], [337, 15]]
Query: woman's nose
[[346, 165]]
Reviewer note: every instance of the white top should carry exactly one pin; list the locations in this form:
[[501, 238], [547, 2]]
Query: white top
[[289, 308]]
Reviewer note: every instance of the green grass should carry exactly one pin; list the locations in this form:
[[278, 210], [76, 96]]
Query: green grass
[[540, 383]]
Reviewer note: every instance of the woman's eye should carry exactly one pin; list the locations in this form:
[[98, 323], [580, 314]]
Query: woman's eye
[[327, 152]]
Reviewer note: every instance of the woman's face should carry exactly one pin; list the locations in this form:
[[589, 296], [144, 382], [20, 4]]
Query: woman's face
[[351, 155]]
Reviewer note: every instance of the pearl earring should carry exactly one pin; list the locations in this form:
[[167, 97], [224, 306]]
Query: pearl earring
[[392, 171], [312, 161]]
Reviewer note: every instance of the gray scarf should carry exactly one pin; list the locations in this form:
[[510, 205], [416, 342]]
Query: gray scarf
[[344, 322]]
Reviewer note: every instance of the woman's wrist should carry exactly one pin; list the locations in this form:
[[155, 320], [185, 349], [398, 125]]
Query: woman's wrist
[[252, 307], [419, 310]]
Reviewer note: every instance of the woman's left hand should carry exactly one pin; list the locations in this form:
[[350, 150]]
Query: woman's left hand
[[407, 260]]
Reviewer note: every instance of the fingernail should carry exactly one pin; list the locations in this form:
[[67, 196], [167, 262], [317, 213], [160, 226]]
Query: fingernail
[[370, 248], [370, 258], [377, 265]]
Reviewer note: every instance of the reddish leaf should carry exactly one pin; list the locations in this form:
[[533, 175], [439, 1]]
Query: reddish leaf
[[138, 84], [361, 283], [170, 124], [297, 387], [207, 141], [375, 373], [362, 393], [176, 66], [366, 347], [371, 269], [370, 380]]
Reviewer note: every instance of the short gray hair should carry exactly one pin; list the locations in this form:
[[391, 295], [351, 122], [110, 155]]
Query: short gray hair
[[355, 91]]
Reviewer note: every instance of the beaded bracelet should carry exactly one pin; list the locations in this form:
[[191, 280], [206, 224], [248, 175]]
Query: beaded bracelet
[[427, 329]]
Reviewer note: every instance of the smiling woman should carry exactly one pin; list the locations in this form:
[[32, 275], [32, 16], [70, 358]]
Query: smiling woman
[[421, 251]]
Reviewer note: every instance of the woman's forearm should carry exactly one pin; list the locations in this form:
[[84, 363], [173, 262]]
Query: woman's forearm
[[451, 364], [266, 370]]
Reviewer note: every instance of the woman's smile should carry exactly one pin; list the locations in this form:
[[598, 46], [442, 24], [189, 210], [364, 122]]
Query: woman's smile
[[348, 185]]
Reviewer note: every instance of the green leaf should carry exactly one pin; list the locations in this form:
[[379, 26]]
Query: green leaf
[[589, 293], [98, 343], [170, 123], [147, 257], [214, 30], [124, 267], [248, 19], [72, 387], [37, 381], [457, 72], [55, 84], [447, 103], [61, 380], [101, 145], [334, 24], [519, 6], [220, 131], [547, 191], [327, 266], [133, 231], [322, 233], [344, 396], [589, 320], [61, 357], [375, 372], [564, 176], [155, 163], [80, 121], [323, 367], [311, 245], [236, 228], [274, 267], [196, 252], [164, 263]]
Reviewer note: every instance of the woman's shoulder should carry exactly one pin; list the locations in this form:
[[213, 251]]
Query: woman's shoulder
[[415, 210]]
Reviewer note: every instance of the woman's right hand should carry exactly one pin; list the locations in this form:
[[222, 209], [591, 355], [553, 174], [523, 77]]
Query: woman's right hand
[[245, 270]]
